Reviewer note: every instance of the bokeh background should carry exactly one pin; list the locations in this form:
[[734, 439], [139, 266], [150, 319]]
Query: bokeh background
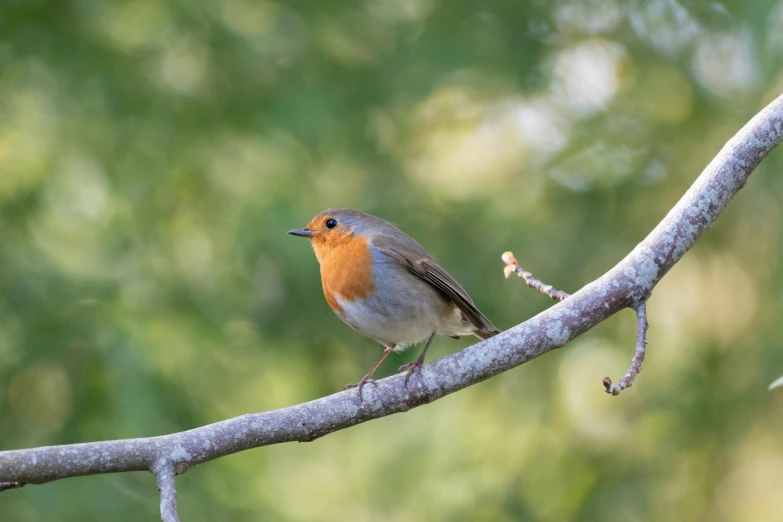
[[154, 154]]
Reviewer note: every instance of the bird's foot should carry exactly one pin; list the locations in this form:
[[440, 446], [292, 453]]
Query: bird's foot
[[411, 367], [365, 380]]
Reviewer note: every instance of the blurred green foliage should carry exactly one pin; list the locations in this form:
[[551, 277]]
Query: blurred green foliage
[[154, 154]]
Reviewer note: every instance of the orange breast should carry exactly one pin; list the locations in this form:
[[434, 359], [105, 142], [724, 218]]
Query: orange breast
[[346, 268]]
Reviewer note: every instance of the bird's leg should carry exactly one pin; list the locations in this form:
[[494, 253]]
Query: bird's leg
[[415, 366], [368, 378]]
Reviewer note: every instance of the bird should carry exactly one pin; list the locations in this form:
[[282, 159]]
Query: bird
[[383, 284]]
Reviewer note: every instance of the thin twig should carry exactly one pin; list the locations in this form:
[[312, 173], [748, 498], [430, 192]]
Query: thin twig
[[164, 472], [638, 358], [513, 266], [11, 485]]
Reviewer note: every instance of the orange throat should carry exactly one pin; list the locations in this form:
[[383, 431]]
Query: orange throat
[[346, 268]]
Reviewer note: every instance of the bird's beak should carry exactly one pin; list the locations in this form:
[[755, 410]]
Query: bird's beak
[[302, 232]]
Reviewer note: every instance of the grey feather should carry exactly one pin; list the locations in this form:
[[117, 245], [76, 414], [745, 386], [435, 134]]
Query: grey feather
[[420, 264]]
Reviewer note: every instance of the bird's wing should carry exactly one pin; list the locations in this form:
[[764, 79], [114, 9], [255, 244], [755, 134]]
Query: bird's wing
[[419, 263]]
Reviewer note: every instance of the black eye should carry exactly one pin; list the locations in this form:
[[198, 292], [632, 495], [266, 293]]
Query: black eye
[[331, 223]]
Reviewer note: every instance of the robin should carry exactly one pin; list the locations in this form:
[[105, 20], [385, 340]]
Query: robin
[[384, 285]]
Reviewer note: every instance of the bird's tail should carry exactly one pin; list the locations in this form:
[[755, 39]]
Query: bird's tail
[[487, 334]]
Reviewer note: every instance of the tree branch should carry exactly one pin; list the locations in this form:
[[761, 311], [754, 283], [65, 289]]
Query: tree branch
[[512, 266], [638, 358], [628, 284], [164, 473]]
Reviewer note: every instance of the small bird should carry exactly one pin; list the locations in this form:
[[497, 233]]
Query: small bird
[[384, 285]]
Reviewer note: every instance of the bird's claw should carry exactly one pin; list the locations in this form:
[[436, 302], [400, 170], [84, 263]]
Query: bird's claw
[[410, 368], [365, 380]]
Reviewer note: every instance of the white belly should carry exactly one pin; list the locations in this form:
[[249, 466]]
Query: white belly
[[394, 326], [378, 326]]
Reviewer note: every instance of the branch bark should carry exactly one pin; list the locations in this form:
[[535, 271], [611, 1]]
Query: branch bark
[[628, 284]]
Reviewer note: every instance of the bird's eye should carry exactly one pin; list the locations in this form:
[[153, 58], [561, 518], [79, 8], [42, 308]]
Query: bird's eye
[[331, 223]]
